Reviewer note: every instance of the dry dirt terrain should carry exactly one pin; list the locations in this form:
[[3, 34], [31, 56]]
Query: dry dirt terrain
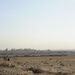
[[52, 65]]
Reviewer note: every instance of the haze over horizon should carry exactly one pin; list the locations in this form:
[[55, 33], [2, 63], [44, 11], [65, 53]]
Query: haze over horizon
[[37, 24]]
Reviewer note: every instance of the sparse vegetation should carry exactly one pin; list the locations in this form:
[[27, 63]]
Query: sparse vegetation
[[61, 64], [38, 66], [50, 58], [35, 70], [6, 65]]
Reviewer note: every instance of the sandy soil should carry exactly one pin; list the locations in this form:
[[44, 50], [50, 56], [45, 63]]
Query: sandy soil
[[53, 65]]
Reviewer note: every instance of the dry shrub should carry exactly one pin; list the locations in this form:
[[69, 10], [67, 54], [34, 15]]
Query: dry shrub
[[51, 65], [35, 70], [50, 59], [6, 65], [61, 73], [12, 65], [61, 64]]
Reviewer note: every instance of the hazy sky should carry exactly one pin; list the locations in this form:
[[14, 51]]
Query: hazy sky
[[39, 24]]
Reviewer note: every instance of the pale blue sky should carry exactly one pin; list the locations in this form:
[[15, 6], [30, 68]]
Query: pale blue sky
[[39, 24]]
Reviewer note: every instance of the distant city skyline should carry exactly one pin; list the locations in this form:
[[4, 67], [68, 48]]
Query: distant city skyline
[[37, 24]]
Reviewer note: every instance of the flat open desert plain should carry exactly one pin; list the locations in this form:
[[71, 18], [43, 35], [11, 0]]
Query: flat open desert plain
[[46, 65]]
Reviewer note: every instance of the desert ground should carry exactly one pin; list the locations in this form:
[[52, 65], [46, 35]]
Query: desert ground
[[46, 65]]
